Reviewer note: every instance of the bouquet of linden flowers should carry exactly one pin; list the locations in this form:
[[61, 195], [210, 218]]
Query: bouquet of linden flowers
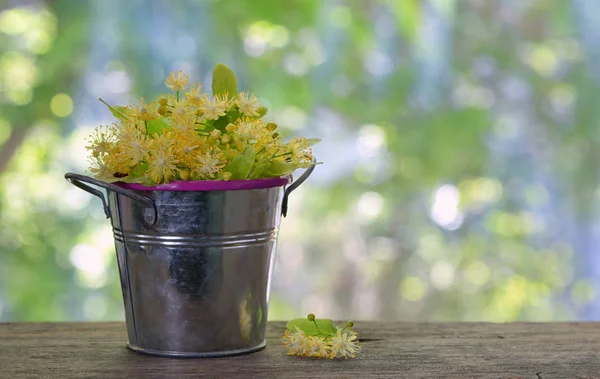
[[190, 135], [309, 337]]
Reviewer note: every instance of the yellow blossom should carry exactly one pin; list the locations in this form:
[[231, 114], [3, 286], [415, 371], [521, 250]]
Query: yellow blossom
[[100, 169], [180, 109], [187, 143], [101, 140], [249, 130], [183, 117], [177, 83], [296, 342], [118, 161], [212, 108], [227, 101], [270, 145], [130, 124], [186, 147], [247, 104], [161, 165], [143, 112], [162, 141], [344, 345], [193, 96], [318, 347], [209, 164], [135, 145], [299, 150]]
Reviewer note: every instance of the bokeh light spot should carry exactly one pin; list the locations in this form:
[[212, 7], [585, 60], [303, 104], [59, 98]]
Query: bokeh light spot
[[370, 206], [280, 36], [542, 59], [412, 288], [371, 138], [20, 97], [293, 118], [91, 263], [262, 35], [442, 274], [61, 105], [295, 64], [477, 273], [444, 210], [14, 21]]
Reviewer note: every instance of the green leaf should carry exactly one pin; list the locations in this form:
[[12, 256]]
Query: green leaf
[[241, 165], [140, 169], [233, 114], [221, 123], [259, 169], [137, 174], [278, 168], [157, 126], [224, 80], [325, 327], [117, 111]]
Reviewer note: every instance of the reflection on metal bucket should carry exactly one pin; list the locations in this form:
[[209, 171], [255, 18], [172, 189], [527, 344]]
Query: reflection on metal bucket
[[195, 266]]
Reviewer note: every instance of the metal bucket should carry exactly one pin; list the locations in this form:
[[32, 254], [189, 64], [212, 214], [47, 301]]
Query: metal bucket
[[195, 265]]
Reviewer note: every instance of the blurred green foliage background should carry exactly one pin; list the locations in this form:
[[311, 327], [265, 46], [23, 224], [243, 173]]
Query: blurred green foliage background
[[460, 141]]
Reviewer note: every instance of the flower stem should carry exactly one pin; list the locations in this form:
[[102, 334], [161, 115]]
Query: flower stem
[[177, 96], [317, 325]]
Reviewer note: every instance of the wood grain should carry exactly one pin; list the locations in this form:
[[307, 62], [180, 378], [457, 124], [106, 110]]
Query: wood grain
[[393, 350]]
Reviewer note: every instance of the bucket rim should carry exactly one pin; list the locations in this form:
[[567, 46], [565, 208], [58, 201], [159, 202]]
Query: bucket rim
[[209, 185]]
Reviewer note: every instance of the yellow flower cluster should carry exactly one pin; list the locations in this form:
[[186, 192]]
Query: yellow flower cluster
[[194, 136], [344, 344]]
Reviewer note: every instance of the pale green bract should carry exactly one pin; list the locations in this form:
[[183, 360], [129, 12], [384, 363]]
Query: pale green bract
[[224, 81], [241, 165], [323, 327]]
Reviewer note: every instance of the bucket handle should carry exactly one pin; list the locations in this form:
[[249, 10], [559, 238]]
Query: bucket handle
[[293, 186], [78, 180]]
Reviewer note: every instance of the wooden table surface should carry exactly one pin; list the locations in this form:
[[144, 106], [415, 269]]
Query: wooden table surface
[[392, 350]]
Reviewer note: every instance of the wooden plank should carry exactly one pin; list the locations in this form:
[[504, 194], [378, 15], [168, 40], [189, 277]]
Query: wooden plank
[[392, 350]]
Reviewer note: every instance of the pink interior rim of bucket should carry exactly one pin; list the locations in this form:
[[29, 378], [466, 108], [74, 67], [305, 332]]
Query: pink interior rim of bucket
[[209, 185]]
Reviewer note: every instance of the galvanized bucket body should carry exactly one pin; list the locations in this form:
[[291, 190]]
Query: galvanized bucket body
[[196, 283], [195, 266]]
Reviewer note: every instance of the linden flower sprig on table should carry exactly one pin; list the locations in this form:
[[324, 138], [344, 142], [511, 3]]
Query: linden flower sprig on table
[[309, 337], [194, 136]]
